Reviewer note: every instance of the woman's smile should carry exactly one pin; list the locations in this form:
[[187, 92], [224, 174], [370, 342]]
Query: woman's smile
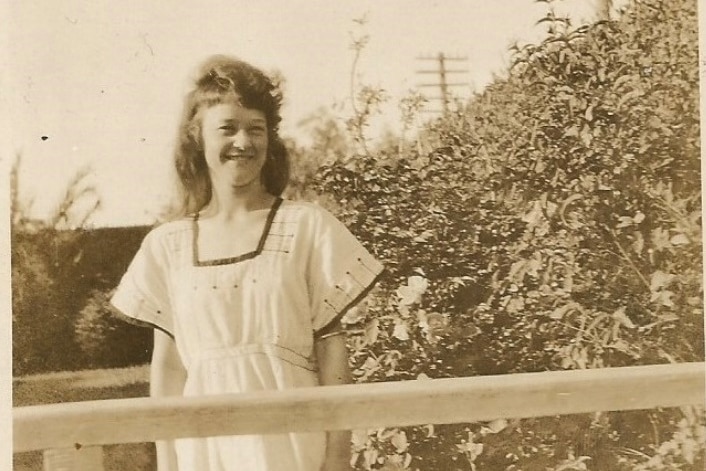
[[239, 157]]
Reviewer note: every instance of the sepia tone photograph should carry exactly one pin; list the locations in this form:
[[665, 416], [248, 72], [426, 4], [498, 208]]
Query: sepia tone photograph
[[355, 236]]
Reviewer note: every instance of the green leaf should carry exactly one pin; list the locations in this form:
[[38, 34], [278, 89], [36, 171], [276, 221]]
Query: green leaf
[[621, 81], [400, 331], [497, 426], [663, 298], [624, 221], [639, 244], [633, 95], [586, 136], [372, 331], [654, 122], [679, 239], [561, 311], [660, 280], [620, 316], [399, 441], [573, 131]]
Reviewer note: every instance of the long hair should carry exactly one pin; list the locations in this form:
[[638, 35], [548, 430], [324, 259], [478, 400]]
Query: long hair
[[219, 80]]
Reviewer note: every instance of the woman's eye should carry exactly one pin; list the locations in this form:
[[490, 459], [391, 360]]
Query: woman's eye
[[228, 130]]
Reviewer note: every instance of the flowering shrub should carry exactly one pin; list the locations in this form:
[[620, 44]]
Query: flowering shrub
[[556, 226]]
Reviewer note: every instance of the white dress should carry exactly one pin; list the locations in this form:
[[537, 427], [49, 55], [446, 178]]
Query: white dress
[[248, 323]]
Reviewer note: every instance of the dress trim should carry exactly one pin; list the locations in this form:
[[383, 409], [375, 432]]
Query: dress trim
[[118, 314], [240, 258], [328, 328]]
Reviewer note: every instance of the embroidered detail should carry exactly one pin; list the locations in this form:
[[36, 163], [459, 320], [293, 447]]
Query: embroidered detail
[[282, 234], [354, 284], [353, 277], [280, 242]]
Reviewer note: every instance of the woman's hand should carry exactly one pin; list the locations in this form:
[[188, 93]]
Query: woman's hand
[[337, 460], [332, 358]]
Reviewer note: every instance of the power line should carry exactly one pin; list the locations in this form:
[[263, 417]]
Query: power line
[[443, 73]]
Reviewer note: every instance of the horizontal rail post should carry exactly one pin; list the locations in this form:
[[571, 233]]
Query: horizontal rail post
[[359, 406]]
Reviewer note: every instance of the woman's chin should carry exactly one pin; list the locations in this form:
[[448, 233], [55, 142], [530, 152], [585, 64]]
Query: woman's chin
[[241, 184]]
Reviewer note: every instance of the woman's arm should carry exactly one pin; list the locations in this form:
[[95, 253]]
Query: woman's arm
[[332, 357], [167, 378]]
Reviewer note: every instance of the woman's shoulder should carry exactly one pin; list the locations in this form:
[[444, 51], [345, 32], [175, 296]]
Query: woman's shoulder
[[169, 231], [305, 211], [312, 217], [305, 207]]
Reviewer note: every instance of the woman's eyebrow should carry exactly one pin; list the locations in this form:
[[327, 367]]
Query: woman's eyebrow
[[254, 121]]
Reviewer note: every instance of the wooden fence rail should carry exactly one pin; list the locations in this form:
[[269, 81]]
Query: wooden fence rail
[[442, 401]]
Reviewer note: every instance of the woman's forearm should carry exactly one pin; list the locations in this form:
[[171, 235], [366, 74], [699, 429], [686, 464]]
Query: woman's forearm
[[167, 378], [338, 451], [332, 358]]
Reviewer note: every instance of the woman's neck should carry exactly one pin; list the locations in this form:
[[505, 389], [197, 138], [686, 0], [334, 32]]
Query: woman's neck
[[228, 205]]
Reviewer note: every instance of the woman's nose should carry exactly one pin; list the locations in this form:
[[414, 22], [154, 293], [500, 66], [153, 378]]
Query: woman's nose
[[241, 140]]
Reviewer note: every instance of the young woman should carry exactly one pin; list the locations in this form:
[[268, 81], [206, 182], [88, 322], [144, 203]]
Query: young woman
[[245, 289]]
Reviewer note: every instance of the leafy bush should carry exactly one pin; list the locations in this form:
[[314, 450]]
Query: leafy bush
[[59, 278], [557, 226], [41, 339], [107, 341]]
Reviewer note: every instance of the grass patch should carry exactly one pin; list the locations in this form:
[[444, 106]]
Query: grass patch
[[87, 385], [75, 386]]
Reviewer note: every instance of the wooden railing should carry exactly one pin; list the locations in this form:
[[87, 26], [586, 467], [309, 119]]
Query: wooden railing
[[72, 433]]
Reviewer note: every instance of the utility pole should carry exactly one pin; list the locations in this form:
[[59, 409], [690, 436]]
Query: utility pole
[[443, 73]]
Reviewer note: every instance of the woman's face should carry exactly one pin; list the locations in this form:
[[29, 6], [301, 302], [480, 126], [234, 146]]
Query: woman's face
[[234, 141]]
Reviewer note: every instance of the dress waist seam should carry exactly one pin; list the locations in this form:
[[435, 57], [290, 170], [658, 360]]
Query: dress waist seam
[[283, 353]]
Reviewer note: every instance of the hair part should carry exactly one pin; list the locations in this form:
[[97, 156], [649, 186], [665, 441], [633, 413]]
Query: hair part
[[221, 79]]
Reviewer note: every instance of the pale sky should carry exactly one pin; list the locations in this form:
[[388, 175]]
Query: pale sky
[[104, 80]]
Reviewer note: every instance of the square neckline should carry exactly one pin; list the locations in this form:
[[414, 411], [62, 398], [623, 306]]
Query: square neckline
[[239, 258]]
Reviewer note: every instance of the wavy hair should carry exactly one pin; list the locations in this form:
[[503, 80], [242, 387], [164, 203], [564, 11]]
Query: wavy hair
[[220, 79]]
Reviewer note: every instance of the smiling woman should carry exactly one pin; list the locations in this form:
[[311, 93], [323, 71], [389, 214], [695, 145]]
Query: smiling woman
[[233, 111], [244, 289]]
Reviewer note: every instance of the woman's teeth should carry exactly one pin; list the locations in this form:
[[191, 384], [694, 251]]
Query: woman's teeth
[[237, 157]]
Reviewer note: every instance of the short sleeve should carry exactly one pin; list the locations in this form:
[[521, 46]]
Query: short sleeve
[[340, 271], [142, 296]]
